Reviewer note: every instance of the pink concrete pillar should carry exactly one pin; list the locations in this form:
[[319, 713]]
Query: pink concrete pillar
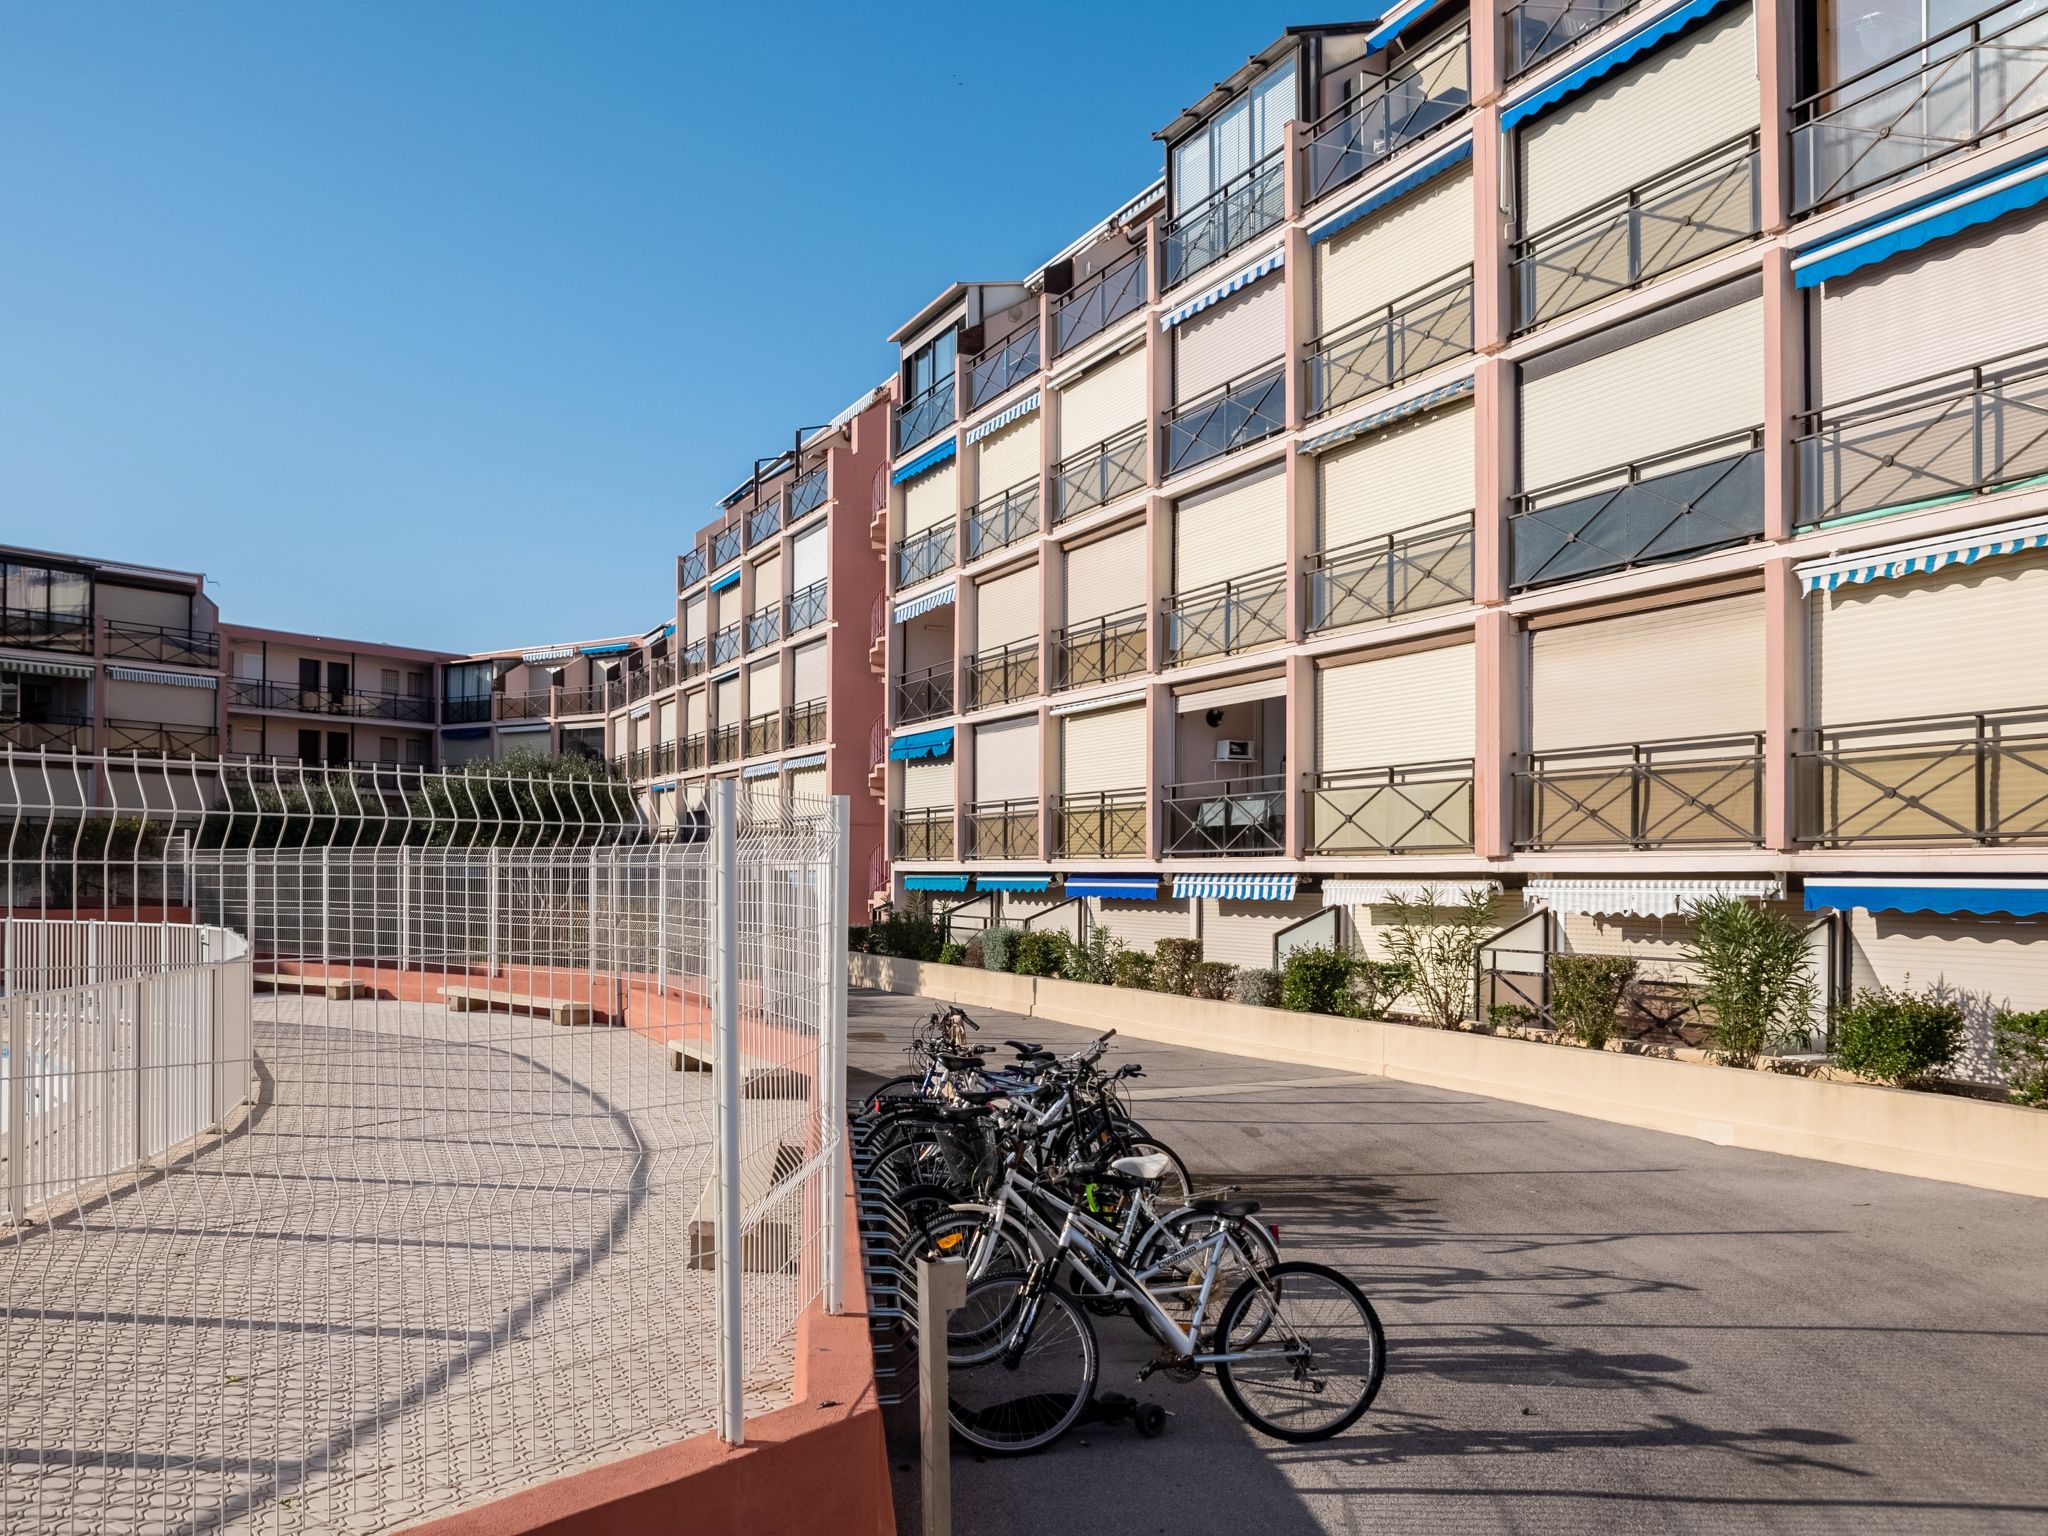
[[1298, 317], [1492, 309], [1784, 701], [1158, 578], [1784, 398], [1160, 725], [1497, 733], [1301, 751], [1778, 81], [1300, 491], [963, 787], [1048, 781], [1290, 173], [1493, 477]]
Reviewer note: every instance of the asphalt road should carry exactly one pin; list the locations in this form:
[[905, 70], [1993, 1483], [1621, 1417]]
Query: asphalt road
[[1590, 1328]]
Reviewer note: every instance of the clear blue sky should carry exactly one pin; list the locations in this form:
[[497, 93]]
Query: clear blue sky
[[446, 323]]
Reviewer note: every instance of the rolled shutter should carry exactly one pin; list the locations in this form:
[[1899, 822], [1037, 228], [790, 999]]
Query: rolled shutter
[[807, 558], [1107, 576], [929, 501], [764, 794], [768, 582], [695, 721], [1006, 760], [665, 721], [1415, 472], [807, 786], [1008, 458], [1242, 932], [728, 702], [807, 673], [1106, 400], [1006, 609], [764, 686], [1140, 924], [1229, 340], [1664, 675], [927, 783], [1235, 529], [725, 607], [694, 617], [1103, 750], [1406, 246], [1404, 710]]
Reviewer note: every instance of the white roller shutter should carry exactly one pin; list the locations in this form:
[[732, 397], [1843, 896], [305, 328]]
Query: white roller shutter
[[695, 613], [1106, 400], [1141, 924], [1670, 673], [1229, 340], [1241, 932], [930, 500], [764, 794], [1980, 957], [727, 702], [807, 558], [807, 673], [927, 783], [665, 721], [725, 607], [807, 785], [1103, 750], [1107, 576], [1006, 609], [1006, 760], [1418, 708], [1681, 101], [764, 686], [1238, 528], [695, 712], [768, 582], [1415, 472], [1007, 458], [1412, 242]]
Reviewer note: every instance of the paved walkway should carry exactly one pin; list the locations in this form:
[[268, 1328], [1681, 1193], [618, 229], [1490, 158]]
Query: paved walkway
[[1591, 1328]]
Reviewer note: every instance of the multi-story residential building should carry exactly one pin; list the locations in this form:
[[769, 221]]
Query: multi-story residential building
[[545, 698], [315, 699], [1583, 452]]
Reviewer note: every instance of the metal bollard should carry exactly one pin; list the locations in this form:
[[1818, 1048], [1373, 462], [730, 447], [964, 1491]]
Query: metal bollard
[[941, 1291]]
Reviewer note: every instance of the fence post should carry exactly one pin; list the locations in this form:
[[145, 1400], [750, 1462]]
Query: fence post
[[941, 1291], [17, 1108], [141, 1064], [725, 1058], [832, 1052]]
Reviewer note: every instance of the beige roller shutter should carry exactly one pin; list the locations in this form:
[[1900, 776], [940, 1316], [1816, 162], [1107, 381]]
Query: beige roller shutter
[[807, 785], [1103, 750], [695, 712], [727, 701], [1229, 340], [1415, 472], [764, 686], [764, 794], [725, 607], [1957, 641], [695, 614], [768, 582], [1006, 609], [1007, 458], [927, 783], [807, 673], [1141, 924], [1109, 398], [807, 558], [1681, 101], [1238, 528], [1411, 709], [930, 500], [665, 721], [2005, 960], [1107, 576], [1411, 243], [1670, 673], [1241, 932], [1006, 760]]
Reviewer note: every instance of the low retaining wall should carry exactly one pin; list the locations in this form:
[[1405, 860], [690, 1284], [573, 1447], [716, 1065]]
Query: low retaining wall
[[1926, 1135]]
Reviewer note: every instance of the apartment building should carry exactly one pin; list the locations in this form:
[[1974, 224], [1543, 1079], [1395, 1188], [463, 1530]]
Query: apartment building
[[1583, 452], [545, 698], [316, 699]]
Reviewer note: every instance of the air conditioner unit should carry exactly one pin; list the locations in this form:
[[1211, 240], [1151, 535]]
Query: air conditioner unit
[[1235, 752]]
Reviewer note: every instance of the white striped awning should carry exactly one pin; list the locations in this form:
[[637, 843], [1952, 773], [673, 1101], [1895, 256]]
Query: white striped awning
[[36, 666], [1393, 413], [815, 760], [1378, 893], [761, 771], [520, 730], [1236, 887], [924, 602], [1224, 290], [1089, 706], [1923, 555], [173, 679], [638, 712], [1002, 418], [550, 653], [1641, 898]]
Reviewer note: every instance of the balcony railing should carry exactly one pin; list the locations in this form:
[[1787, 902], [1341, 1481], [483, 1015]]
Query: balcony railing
[[764, 626], [1002, 676], [693, 569], [807, 607], [764, 522], [1227, 418], [692, 754], [998, 521], [1106, 825], [1096, 476], [1232, 216], [1226, 618], [764, 733], [725, 645], [1967, 432], [660, 674], [1677, 503], [1010, 361], [725, 743], [1540, 29], [1975, 81], [468, 711], [924, 695], [1669, 794], [593, 700], [1706, 204], [1219, 816], [1414, 808], [1101, 650], [806, 724], [924, 415], [924, 555], [662, 759], [247, 693], [52, 732], [45, 631], [521, 706], [1407, 571], [725, 546], [1117, 290], [696, 656], [1978, 779], [925, 835], [1412, 335], [156, 642], [808, 494], [1425, 92], [1002, 829]]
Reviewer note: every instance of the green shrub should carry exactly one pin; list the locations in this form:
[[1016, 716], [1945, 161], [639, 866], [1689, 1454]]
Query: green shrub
[[1759, 991], [952, 952], [1042, 954], [1439, 943], [1586, 993], [1211, 981], [1173, 969], [857, 939], [907, 935], [1897, 1036], [999, 948], [1132, 968], [1095, 960], [972, 958], [1510, 1016], [1257, 987], [1316, 979], [2021, 1042], [1374, 986]]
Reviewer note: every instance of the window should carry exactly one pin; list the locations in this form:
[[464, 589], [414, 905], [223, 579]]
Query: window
[[930, 364], [390, 679], [337, 749], [309, 748], [415, 685], [416, 751], [10, 696], [1857, 37], [1237, 138], [387, 748], [43, 600], [469, 680], [309, 675]]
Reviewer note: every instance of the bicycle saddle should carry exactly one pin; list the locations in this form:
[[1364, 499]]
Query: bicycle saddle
[[1027, 1048], [954, 1063], [1229, 1209], [1143, 1169]]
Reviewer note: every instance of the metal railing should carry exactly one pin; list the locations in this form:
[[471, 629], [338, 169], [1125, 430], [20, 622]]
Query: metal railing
[[925, 835], [250, 693], [1978, 79], [1538, 29], [1220, 816], [45, 631], [1101, 650], [522, 706], [1227, 617], [1980, 779], [1666, 794], [662, 759], [1095, 476], [764, 522], [55, 732], [725, 644], [1426, 91], [924, 695], [1002, 829], [1680, 502], [696, 657], [694, 753], [1229, 218], [159, 642], [660, 673], [1691, 210], [1229, 417], [725, 743], [1410, 808], [924, 415], [924, 555], [998, 521], [1966, 432], [1002, 676], [1407, 571], [806, 724], [764, 626], [1094, 306], [692, 570], [764, 733], [725, 546], [1410, 336], [1010, 361], [807, 607], [473, 710], [808, 494], [1109, 824], [593, 700]]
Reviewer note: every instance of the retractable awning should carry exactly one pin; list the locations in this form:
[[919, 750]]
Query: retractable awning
[[1399, 187], [1089, 706], [1386, 418], [815, 760], [1224, 290], [551, 653], [1398, 20], [1898, 560], [1604, 63], [923, 744], [1979, 201], [1113, 887], [724, 583], [1641, 898], [620, 647], [924, 602], [26, 666], [1012, 882], [1975, 898], [1379, 893], [1237, 887], [170, 679], [935, 882], [930, 459], [761, 771], [1002, 419]]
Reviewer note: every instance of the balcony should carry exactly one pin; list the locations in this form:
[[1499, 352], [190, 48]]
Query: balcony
[[155, 642], [1226, 618], [587, 701], [806, 724], [1002, 829], [1010, 361], [1707, 204], [692, 570], [1425, 92], [1094, 477], [1416, 808], [725, 744], [922, 836], [1100, 651], [43, 631], [660, 674], [1412, 335], [1976, 780], [1230, 417], [1936, 99], [1683, 502], [1230, 218], [696, 656], [998, 521], [1002, 676], [764, 733], [764, 626], [808, 494], [1968, 432], [1227, 816], [49, 732], [467, 711], [725, 645], [518, 706], [1409, 571], [246, 693], [1106, 825], [807, 608], [691, 753], [1541, 29], [924, 415], [764, 522], [1093, 307], [725, 546], [638, 765], [1673, 794], [924, 695], [924, 555]]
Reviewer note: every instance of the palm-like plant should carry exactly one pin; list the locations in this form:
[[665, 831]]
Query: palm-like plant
[[1758, 988]]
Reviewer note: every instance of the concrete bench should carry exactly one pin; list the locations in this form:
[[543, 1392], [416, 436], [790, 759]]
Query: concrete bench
[[758, 1079], [560, 1010], [330, 987]]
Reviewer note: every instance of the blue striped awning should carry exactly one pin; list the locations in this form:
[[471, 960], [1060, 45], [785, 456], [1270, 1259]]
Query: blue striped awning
[[1237, 887], [921, 744], [661, 789], [1012, 882], [619, 647], [1978, 201], [729, 580], [1400, 186], [1003, 418], [935, 882], [1978, 898], [1607, 61], [1965, 548], [1224, 290], [1390, 415], [924, 461], [1113, 887], [924, 602], [1397, 21]]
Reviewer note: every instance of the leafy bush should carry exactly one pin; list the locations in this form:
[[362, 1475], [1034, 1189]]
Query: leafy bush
[[1374, 986], [1131, 968], [1759, 988], [1510, 1016], [907, 935], [2021, 1042], [1174, 968], [972, 958], [1095, 960], [1211, 981], [1897, 1036], [999, 948], [1257, 987], [1042, 954], [1316, 979], [1586, 992], [952, 952], [857, 939], [1439, 945]]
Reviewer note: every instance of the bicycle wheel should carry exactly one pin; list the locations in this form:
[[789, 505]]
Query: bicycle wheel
[[897, 1090], [1175, 1187], [988, 1247], [1315, 1352], [1178, 1286], [1023, 1394]]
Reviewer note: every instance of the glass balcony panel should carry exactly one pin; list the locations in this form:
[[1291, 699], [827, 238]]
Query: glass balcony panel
[[924, 695], [1003, 829], [1010, 361], [1234, 416], [1408, 571], [156, 642], [1410, 336], [1701, 793], [807, 608], [1226, 618], [725, 546], [1422, 808], [808, 494], [693, 569], [1427, 91], [1540, 29], [923, 836], [923, 416], [806, 724], [1109, 825], [1096, 476], [764, 733], [1227, 816], [999, 521], [764, 627], [725, 645], [1002, 676], [1117, 290], [1957, 780], [49, 730], [1102, 650], [924, 555], [1230, 218]]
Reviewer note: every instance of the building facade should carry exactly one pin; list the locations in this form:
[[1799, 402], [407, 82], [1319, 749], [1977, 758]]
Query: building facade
[[316, 699]]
